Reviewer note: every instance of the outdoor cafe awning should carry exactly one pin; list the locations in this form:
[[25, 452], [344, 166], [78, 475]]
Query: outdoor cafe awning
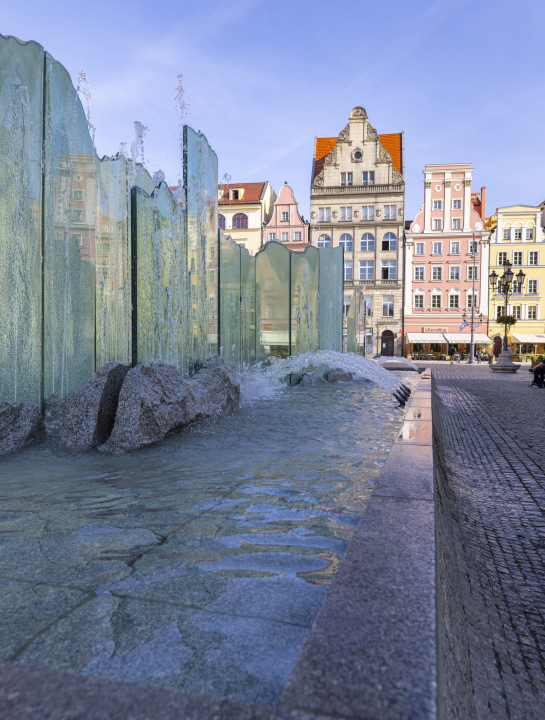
[[425, 338], [529, 339], [460, 337]]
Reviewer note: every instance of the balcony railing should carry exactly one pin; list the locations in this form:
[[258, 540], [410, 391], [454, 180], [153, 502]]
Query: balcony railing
[[357, 189]]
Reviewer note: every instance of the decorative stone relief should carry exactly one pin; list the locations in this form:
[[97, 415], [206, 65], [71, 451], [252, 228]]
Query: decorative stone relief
[[377, 212], [397, 177], [438, 188], [359, 112], [467, 183], [400, 212], [331, 159], [428, 185], [447, 183], [383, 155], [372, 134], [313, 215], [319, 179], [457, 187], [334, 213], [344, 135], [356, 214]]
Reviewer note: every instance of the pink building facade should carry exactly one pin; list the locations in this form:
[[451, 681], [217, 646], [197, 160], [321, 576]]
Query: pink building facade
[[286, 225], [439, 265]]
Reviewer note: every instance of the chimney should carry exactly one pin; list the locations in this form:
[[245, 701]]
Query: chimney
[[483, 198]]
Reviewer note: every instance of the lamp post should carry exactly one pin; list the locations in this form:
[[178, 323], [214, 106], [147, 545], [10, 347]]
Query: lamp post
[[471, 360], [364, 322], [472, 343], [504, 286]]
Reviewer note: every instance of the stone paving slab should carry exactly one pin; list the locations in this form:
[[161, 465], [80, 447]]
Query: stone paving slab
[[491, 524]]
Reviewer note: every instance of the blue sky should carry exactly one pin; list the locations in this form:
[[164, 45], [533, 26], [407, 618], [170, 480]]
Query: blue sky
[[465, 80]]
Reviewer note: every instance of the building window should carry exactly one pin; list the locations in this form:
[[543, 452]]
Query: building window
[[240, 221], [419, 248], [324, 214], [532, 312], [390, 212], [346, 178], [285, 237], [470, 272], [234, 194], [368, 178], [532, 287], [270, 310], [298, 236], [78, 194], [518, 233], [454, 248], [529, 233], [437, 224], [470, 300], [436, 301], [367, 212], [454, 301], [419, 301], [456, 204], [345, 241], [501, 311], [454, 273], [472, 247], [285, 216], [324, 241], [272, 236], [437, 273], [456, 223], [348, 270], [437, 248], [346, 214], [515, 312], [517, 258], [77, 215], [389, 242], [367, 270], [507, 234], [389, 269], [437, 204], [221, 221], [532, 257], [502, 258], [78, 239], [367, 242], [387, 306], [419, 273]]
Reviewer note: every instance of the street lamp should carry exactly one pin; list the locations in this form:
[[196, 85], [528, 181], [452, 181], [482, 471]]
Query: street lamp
[[504, 285], [471, 360]]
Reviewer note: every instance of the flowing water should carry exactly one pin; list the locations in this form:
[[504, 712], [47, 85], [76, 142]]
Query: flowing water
[[198, 564]]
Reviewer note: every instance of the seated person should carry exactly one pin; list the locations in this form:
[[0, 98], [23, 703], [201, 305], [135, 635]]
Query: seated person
[[539, 373]]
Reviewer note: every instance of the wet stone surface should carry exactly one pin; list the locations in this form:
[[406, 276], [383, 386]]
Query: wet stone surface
[[198, 564], [491, 536]]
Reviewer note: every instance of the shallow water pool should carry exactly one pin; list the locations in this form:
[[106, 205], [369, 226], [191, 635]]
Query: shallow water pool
[[198, 564]]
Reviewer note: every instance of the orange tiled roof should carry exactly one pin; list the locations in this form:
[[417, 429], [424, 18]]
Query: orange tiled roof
[[252, 193], [391, 141]]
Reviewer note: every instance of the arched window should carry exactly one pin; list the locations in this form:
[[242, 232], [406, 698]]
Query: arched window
[[324, 241], [367, 242], [240, 221], [221, 221], [345, 241], [389, 242]]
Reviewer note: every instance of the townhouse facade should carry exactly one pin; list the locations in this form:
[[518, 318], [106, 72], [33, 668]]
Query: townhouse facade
[[286, 224], [243, 210], [447, 265], [517, 237], [357, 202]]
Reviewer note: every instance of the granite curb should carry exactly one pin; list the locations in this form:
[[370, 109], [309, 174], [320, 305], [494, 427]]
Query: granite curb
[[371, 652]]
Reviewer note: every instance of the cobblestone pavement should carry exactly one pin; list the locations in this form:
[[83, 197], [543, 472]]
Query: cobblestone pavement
[[493, 450]]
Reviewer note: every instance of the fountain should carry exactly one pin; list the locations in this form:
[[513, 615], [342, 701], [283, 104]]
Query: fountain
[[198, 564]]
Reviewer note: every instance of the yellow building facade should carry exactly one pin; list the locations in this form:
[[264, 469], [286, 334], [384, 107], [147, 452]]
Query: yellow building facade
[[517, 237]]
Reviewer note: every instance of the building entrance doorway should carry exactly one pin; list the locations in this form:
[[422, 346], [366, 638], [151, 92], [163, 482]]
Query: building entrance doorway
[[497, 345], [387, 343]]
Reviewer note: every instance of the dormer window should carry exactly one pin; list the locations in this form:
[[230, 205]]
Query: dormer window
[[235, 194]]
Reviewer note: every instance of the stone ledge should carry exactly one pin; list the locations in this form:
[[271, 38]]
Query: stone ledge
[[372, 652]]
